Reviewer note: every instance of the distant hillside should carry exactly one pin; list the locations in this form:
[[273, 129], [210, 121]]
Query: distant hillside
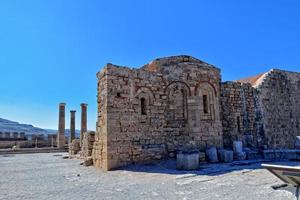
[[11, 126], [67, 132]]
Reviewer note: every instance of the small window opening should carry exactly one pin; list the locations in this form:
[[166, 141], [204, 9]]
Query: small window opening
[[118, 94], [205, 104], [143, 106]]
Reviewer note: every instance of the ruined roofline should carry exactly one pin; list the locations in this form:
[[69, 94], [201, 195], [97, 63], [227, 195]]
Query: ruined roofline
[[160, 62], [171, 60], [257, 80], [285, 71], [253, 80]]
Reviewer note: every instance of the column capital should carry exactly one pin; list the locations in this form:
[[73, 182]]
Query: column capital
[[72, 111], [84, 104], [62, 104]]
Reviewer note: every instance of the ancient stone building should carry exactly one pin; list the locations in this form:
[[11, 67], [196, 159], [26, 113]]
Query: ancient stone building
[[179, 103], [277, 108]]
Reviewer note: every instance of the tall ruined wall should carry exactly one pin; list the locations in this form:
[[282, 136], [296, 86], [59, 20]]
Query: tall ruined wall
[[262, 111], [99, 152], [238, 113], [150, 113], [278, 100]]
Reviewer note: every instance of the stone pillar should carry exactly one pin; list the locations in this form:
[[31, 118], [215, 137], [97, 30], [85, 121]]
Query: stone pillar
[[72, 126], [61, 126], [83, 121]]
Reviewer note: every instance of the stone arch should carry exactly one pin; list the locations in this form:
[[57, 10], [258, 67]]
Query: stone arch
[[146, 93], [144, 99], [176, 108], [178, 84], [207, 94], [203, 83]]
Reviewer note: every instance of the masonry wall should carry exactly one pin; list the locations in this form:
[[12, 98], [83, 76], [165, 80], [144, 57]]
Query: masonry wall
[[278, 101], [265, 114], [99, 152], [238, 114], [150, 113], [179, 103]]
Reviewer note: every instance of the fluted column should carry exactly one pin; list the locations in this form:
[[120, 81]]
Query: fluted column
[[83, 121], [72, 126], [61, 127]]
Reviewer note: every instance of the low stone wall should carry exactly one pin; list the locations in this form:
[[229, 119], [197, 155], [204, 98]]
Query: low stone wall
[[74, 147], [24, 144], [87, 144]]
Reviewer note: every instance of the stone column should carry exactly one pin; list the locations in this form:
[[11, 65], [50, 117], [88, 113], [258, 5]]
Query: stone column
[[72, 126], [61, 126], [83, 121]]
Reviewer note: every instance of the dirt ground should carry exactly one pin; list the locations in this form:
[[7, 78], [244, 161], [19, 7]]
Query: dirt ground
[[48, 176]]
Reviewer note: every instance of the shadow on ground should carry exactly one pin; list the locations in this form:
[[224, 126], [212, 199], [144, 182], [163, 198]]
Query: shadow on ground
[[169, 167]]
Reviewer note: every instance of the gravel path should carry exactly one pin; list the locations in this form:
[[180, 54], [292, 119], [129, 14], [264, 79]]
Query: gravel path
[[48, 176]]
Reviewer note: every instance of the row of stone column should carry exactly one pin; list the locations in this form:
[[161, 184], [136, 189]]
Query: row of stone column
[[61, 124]]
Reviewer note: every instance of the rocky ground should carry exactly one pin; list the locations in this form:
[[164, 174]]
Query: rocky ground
[[48, 176]]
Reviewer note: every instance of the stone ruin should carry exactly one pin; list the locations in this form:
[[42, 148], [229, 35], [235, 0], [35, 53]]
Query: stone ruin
[[179, 104]]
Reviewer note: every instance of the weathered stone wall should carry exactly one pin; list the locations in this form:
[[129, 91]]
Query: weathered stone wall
[[87, 143], [149, 113], [74, 147], [12, 136], [99, 152], [238, 113], [278, 103], [179, 103]]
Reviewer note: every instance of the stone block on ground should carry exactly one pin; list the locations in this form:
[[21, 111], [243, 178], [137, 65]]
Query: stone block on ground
[[225, 155], [238, 153], [202, 157], [187, 161], [211, 154], [237, 146], [281, 154], [297, 142], [240, 156], [253, 155], [88, 161]]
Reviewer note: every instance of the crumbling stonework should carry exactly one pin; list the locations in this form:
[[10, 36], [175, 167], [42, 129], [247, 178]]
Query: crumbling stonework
[[146, 114], [278, 107], [74, 147], [87, 143], [262, 111], [238, 113], [179, 103]]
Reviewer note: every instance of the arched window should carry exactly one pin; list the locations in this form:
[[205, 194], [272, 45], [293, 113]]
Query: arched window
[[205, 104], [143, 106]]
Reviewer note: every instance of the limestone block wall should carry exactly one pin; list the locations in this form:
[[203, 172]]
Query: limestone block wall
[[87, 143], [99, 152], [149, 113], [278, 102], [238, 113]]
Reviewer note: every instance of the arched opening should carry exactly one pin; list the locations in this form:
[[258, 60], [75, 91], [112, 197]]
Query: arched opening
[[205, 104], [143, 106]]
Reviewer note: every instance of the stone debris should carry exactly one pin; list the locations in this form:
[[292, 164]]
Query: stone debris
[[88, 161], [225, 155], [187, 160], [212, 155], [87, 144], [74, 147]]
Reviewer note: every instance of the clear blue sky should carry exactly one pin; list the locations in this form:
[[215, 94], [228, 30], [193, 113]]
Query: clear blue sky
[[51, 50]]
